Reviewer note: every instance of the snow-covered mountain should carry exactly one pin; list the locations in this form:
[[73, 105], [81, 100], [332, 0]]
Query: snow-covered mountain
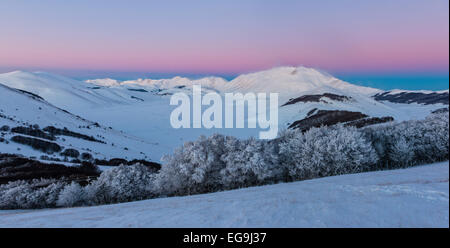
[[287, 81], [33, 127], [307, 97], [65, 92], [292, 81]]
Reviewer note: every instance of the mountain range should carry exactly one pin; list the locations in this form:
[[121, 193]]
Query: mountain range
[[111, 119]]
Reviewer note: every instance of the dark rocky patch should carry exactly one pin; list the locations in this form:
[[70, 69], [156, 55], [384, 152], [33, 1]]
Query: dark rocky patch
[[155, 167], [14, 167], [33, 131], [165, 94], [312, 111], [66, 132], [326, 118], [34, 96], [440, 111], [111, 162], [119, 161], [369, 121], [317, 98], [137, 98], [138, 90], [413, 97], [37, 144]]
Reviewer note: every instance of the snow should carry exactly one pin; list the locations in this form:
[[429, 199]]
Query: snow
[[294, 80], [287, 81], [104, 82], [26, 110], [140, 108], [413, 197]]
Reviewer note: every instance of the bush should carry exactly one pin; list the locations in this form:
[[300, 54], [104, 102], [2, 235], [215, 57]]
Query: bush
[[86, 156], [70, 153], [4, 128]]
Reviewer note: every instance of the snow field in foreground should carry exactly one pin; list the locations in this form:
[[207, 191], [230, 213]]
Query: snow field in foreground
[[413, 197]]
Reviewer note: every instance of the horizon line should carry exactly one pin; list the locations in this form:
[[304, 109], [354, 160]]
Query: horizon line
[[434, 80]]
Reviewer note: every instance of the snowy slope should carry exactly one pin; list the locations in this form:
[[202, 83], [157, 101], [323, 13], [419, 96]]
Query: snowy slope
[[22, 109], [66, 93], [414, 197], [103, 82], [215, 83]]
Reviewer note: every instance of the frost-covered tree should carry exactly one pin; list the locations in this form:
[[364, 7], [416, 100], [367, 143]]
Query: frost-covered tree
[[433, 144], [193, 168], [218, 163], [400, 152], [411, 142], [326, 151], [47, 196], [72, 195], [14, 195], [250, 162], [121, 184], [35, 194]]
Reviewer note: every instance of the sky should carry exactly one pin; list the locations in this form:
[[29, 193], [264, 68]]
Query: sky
[[367, 42]]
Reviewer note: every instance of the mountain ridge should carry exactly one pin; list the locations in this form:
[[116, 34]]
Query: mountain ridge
[[141, 108], [286, 80], [300, 79]]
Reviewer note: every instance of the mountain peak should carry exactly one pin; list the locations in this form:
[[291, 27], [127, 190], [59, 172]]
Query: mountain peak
[[290, 80]]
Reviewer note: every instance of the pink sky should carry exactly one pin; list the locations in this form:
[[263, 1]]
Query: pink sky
[[225, 36]]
